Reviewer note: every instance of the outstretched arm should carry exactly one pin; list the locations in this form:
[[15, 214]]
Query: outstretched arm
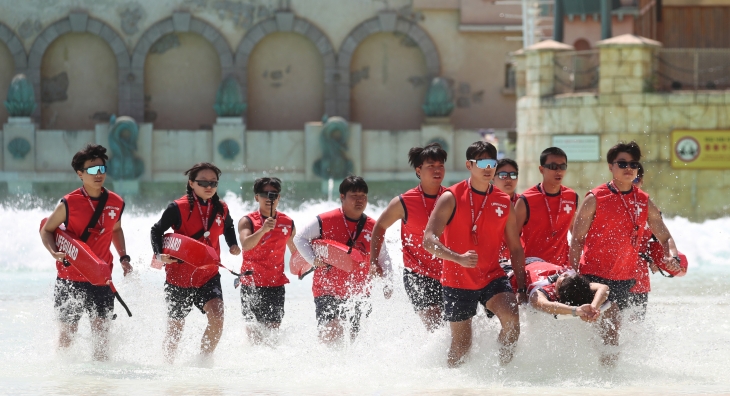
[[541, 302], [517, 254], [54, 220], [436, 224], [121, 246], [582, 223], [662, 234], [392, 213], [600, 294]]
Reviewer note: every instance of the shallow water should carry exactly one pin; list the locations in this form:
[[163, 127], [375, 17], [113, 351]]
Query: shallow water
[[682, 347]]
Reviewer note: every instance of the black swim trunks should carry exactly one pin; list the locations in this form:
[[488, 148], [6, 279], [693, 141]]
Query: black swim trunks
[[180, 300], [72, 299], [618, 290], [262, 304], [461, 304], [423, 291], [329, 308]]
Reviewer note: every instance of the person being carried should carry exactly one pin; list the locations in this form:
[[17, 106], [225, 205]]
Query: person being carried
[[545, 211], [200, 215], [341, 296], [73, 293], [608, 229], [264, 233], [422, 270], [473, 217]]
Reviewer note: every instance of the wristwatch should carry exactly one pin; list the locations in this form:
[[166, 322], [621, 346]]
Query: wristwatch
[[125, 257], [575, 311]]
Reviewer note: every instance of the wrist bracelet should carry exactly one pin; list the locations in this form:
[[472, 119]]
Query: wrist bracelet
[[126, 256], [574, 311]]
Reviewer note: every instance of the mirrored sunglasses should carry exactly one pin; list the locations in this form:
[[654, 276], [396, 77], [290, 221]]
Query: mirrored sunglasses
[[485, 163], [553, 166], [206, 183], [505, 175], [96, 169]]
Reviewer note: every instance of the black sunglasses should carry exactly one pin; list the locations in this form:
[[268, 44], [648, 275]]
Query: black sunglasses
[[553, 166], [627, 164], [505, 175], [205, 183], [270, 195]]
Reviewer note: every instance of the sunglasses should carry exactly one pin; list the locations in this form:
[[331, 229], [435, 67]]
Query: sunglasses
[[505, 175], [626, 164], [205, 183], [96, 169], [553, 166], [485, 163], [270, 195]]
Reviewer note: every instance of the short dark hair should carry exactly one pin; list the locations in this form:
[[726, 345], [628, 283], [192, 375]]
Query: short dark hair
[[260, 183], [418, 155], [631, 148], [556, 151], [575, 290], [353, 184], [90, 152], [507, 161], [192, 173], [480, 147], [640, 173]]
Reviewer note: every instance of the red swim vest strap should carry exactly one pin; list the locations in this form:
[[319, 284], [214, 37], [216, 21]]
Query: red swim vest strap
[[97, 213]]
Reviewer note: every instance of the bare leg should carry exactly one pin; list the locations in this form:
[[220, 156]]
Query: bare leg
[[100, 332], [214, 311], [253, 331], [331, 332], [504, 306], [66, 334], [431, 317], [610, 325], [172, 338], [460, 342]]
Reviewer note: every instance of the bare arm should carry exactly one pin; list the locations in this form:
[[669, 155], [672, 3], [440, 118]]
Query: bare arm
[[600, 294], [290, 241], [121, 246], [520, 215], [436, 224], [582, 223], [541, 302], [390, 215], [250, 239], [54, 220], [517, 254], [662, 234]]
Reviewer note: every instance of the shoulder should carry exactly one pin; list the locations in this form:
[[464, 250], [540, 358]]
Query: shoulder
[[182, 202], [114, 198], [498, 194], [283, 217], [531, 191], [73, 195], [567, 190], [410, 193], [457, 188]]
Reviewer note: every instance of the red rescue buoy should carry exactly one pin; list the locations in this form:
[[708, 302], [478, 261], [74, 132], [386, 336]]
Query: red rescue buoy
[[331, 252]]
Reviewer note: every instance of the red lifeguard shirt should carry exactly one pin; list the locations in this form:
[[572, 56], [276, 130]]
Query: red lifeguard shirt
[[609, 251], [331, 281], [490, 231], [184, 274], [545, 232], [418, 207], [506, 255], [267, 258], [79, 210]]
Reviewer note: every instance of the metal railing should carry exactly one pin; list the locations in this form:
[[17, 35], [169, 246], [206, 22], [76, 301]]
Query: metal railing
[[576, 71], [691, 69]]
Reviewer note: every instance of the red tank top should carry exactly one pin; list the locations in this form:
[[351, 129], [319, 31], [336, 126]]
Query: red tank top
[[418, 207], [643, 283], [331, 281], [79, 210], [267, 258], [609, 251], [506, 254], [186, 275], [545, 232], [490, 230]]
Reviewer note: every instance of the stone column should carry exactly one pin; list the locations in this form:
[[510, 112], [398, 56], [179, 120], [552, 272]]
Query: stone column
[[228, 151], [440, 129], [18, 141], [540, 64], [626, 64], [520, 63]]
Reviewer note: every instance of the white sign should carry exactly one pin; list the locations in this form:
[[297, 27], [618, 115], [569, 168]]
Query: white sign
[[582, 148]]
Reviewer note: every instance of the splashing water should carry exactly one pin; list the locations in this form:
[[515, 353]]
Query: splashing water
[[682, 347]]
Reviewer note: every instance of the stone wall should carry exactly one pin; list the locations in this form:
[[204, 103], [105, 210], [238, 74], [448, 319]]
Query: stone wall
[[623, 111]]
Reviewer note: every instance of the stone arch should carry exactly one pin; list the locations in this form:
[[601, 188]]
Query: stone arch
[[181, 22], [388, 21], [11, 40], [287, 22], [80, 22]]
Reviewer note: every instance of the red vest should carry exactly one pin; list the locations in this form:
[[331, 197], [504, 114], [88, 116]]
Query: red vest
[[78, 215], [490, 231], [415, 257], [331, 281], [538, 239], [267, 258], [186, 275], [549, 292], [506, 254], [608, 251]]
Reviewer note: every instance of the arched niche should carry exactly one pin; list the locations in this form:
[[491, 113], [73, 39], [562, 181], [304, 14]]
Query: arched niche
[[181, 76], [7, 71], [285, 77], [79, 82], [388, 78]]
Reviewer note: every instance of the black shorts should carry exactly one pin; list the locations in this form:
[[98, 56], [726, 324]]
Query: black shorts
[[639, 300], [262, 304], [329, 308], [618, 290], [423, 291], [72, 299], [461, 304], [180, 300]]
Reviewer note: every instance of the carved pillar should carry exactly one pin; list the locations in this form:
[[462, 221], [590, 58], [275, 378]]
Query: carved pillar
[[626, 64], [540, 64]]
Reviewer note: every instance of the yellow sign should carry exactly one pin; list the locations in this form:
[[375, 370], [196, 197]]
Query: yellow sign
[[700, 149]]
